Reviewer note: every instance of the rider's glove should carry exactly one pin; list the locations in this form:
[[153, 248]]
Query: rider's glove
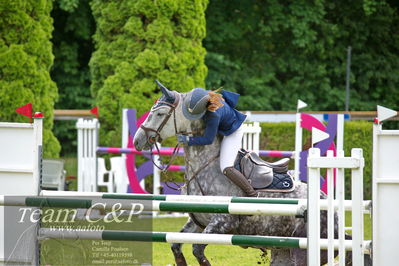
[[182, 139]]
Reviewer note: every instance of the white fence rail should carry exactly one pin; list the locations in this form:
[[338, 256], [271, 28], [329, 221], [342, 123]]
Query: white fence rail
[[87, 154], [356, 164]]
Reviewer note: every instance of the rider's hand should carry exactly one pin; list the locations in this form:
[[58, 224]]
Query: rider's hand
[[182, 139]]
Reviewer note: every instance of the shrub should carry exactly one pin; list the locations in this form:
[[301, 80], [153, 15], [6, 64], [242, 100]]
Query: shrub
[[25, 61], [137, 42]]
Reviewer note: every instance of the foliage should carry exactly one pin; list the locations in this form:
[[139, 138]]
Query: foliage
[[357, 134], [68, 5], [72, 41], [274, 52], [140, 41], [25, 61]]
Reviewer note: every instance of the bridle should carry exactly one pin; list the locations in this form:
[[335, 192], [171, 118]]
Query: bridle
[[152, 140]]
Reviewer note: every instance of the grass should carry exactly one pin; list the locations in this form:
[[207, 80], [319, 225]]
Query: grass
[[71, 168], [220, 255], [216, 254], [87, 252]]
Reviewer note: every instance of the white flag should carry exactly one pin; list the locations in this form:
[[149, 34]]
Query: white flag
[[384, 113], [301, 105], [318, 135]]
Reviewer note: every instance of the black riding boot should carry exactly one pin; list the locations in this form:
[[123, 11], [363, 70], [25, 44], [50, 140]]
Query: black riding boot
[[239, 179]]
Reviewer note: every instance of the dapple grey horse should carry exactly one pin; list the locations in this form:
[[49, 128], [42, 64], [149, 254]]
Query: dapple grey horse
[[204, 177]]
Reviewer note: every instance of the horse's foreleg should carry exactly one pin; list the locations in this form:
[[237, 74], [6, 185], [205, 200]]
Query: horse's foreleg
[[219, 224], [189, 227]]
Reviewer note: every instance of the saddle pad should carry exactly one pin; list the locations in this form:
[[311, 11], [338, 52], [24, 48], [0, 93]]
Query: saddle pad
[[281, 183]]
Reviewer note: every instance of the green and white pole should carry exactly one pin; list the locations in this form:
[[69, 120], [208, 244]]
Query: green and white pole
[[138, 206], [187, 238], [197, 199]]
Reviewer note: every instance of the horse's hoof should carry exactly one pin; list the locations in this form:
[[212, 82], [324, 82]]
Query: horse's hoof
[[205, 262]]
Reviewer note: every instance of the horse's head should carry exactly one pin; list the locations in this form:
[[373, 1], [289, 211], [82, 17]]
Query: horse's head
[[162, 121]]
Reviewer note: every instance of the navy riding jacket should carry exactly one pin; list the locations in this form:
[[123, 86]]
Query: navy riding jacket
[[225, 120]]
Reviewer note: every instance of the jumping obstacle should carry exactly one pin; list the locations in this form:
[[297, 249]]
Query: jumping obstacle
[[313, 243], [302, 203], [356, 164], [167, 151], [87, 162], [20, 164], [385, 191], [236, 205], [204, 207], [191, 238]]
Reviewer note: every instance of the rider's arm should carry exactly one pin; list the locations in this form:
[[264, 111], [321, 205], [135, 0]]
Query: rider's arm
[[211, 129]]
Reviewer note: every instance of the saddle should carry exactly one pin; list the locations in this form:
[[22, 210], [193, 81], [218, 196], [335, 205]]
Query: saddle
[[262, 175]]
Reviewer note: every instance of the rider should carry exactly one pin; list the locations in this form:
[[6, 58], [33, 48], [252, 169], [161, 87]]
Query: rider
[[217, 111]]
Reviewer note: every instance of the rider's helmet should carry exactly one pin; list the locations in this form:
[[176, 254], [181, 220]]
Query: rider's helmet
[[195, 104]]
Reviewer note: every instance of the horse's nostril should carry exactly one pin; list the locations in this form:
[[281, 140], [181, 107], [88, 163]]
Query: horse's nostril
[[135, 143]]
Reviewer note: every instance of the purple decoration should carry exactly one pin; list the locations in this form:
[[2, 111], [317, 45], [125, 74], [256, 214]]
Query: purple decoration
[[144, 170], [324, 145], [169, 191]]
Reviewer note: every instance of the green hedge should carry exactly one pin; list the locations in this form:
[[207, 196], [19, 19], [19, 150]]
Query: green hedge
[[357, 134]]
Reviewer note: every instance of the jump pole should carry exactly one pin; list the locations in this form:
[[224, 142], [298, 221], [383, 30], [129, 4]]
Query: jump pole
[[366, 206], [167, 151], [194, 207], [188, 238]]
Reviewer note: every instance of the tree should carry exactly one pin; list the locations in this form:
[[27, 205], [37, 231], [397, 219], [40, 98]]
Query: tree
[[140, 41], [73, 45], [25, 61], [274, 52]]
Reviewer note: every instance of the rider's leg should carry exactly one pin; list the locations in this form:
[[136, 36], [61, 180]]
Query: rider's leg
[[239, 179], [228, 153]]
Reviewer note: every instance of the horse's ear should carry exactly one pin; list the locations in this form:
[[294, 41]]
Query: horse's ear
[[168, 94]]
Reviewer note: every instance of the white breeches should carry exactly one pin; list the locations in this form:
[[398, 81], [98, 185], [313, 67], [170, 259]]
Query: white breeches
[[230, 146]]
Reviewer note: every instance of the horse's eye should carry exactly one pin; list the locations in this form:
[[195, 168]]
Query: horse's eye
[[160, 114]]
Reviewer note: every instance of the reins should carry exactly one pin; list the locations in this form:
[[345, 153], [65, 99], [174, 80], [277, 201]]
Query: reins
[[194, 176], [152, 140]]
